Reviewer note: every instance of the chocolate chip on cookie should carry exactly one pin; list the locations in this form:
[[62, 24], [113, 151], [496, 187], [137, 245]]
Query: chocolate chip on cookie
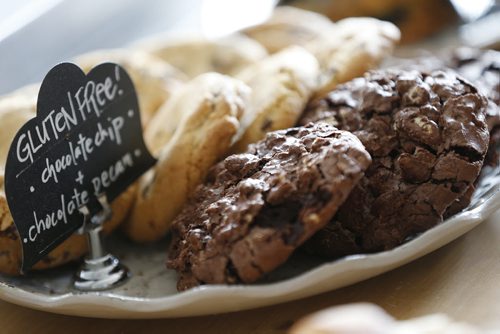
[[257, 207], [427, 136]]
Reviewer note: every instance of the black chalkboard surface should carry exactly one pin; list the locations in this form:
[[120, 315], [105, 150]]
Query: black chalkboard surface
[[85, 140]]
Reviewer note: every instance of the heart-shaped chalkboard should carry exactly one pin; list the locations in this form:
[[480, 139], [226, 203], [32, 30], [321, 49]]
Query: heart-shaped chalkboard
[[85, 140]]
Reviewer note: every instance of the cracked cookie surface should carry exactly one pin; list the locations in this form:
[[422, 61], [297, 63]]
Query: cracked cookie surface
[[427, 136], [257, 207]]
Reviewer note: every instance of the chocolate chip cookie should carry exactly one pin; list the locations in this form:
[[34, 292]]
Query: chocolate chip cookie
[[257, 207], [281, 87], [354, 46], [289, 26], [200, 123], [427, 136], [198, 55], [482, 68]]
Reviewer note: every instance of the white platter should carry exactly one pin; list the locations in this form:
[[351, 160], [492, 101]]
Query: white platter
[[151, 292]]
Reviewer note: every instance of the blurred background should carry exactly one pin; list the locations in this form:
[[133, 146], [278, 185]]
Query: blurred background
[[37, 34]]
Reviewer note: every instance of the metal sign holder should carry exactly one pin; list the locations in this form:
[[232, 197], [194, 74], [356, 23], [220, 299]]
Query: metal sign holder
[[100, 269]]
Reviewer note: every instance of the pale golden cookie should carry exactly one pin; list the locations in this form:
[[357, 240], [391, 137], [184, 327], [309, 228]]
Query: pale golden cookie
[[15, 110], [281, 86], [289, 26], [208, 125], [371, 319], [182, 103], [197, 55], [154, 79], [353, 47]]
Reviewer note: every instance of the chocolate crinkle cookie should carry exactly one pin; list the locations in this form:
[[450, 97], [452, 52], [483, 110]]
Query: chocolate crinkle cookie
[[257, 207], [427, 136], [482, 68]]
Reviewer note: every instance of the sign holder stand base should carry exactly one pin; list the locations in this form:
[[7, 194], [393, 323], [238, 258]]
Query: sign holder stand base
[[100, 270]]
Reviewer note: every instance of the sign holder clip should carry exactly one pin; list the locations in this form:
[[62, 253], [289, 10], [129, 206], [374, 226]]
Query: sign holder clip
[[100, 269]]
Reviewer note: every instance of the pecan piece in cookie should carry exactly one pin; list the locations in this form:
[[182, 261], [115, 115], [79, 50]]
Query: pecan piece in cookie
[[257, 207]]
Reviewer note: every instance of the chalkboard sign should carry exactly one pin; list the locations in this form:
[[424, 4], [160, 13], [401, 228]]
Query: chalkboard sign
[[85, 140]]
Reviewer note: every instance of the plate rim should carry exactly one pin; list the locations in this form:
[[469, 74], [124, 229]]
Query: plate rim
[[115, 306]]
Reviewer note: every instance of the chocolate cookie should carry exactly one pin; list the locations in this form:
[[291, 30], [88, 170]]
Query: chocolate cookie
[[483, 69], [257, 207], [427, 136]]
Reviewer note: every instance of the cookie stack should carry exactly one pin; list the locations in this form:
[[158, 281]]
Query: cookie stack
[[267, 145], [426, 135]]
